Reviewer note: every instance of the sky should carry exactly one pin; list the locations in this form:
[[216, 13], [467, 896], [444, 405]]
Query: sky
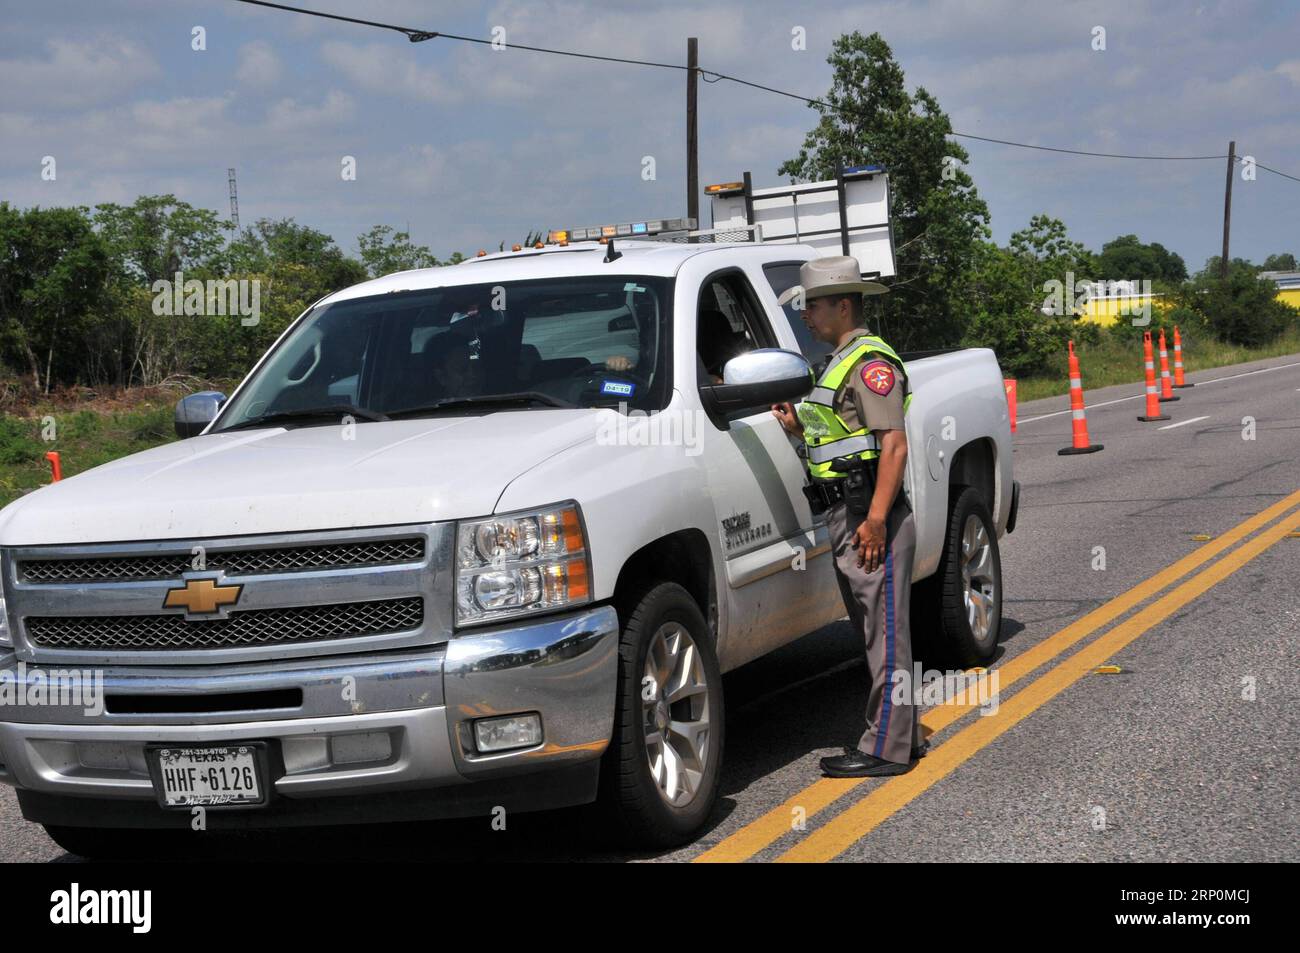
[[468, 146]]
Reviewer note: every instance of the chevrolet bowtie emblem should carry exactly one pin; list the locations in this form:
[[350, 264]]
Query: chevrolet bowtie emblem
[[201, 596]]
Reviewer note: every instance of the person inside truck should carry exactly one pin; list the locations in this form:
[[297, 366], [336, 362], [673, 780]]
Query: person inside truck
[[717, 343], [455, 369]]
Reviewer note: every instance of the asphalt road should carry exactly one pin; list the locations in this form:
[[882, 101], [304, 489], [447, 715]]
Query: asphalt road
[[1173, 758]]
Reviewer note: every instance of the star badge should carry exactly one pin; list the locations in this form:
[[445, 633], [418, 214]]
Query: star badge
[[879, 376]]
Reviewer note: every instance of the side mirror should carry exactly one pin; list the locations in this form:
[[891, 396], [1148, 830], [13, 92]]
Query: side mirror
[[766, 376], [196, 411]]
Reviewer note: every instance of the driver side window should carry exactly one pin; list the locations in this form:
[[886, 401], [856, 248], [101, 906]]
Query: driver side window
[[729, 323]]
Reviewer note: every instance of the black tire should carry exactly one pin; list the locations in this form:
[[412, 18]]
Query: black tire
[[639, 814], [939, 611]]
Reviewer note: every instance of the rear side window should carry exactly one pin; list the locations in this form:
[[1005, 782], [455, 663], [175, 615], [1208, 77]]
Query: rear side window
[[782, 276]]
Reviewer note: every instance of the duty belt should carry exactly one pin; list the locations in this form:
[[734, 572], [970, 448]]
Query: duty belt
[[823, 494]]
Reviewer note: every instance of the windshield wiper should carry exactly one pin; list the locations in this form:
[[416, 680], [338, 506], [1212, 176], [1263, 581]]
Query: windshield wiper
[[310, 413], [507, 400]]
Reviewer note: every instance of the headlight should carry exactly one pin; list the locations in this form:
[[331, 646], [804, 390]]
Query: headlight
[[520, 564]]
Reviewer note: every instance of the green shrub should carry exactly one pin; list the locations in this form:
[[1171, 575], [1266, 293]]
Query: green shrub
[[19, 441], [1239, 309]]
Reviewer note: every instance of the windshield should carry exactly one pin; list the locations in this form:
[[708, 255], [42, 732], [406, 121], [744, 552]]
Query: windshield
[[579, 342]]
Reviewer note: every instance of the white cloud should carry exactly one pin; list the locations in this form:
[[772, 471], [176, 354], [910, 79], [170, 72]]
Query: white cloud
[[1291, 70], [76, 73], [259, 66], [288, 114], [380, 68]]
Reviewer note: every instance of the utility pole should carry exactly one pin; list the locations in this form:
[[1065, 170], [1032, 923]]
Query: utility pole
[[1227, 207], [234, 203], [692, 131]]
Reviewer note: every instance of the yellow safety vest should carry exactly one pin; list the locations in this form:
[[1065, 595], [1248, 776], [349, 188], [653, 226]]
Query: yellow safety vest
[[824, 431]]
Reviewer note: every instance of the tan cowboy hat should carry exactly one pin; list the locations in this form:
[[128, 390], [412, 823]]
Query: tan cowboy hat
[[835, 275]]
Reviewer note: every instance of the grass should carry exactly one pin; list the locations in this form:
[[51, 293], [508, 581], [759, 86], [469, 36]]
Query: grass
[[1119, 361], [84, 438]]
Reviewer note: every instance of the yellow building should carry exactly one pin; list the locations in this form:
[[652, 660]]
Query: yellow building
[[1106, 309], [1288, 285]]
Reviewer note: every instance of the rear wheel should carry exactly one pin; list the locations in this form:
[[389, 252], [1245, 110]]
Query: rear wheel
[[661, 772], [960, 606]]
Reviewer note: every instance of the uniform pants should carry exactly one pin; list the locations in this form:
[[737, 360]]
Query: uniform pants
[[878, 604]]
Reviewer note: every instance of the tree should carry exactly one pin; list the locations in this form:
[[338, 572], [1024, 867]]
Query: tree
[[1010, 289], [159, 235], [1282, 262], [53, 272], [1211, 269], [284, 241], [1241, 308], [1127, 259], [384, 252], [938, 217]]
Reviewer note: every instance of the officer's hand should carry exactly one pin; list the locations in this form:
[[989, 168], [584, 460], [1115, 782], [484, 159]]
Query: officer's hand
[[869, 541], [789, 420]]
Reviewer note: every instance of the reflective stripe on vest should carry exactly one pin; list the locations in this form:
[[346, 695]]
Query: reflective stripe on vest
[[825, 432]]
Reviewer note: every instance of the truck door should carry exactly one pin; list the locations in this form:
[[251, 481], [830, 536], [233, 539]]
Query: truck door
[[765, 527]]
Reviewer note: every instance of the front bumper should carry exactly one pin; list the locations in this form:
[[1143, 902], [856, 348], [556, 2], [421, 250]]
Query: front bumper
[[355, 729]]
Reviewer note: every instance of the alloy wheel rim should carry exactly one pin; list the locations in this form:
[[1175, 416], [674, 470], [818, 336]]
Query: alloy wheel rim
[[979, 591], [676, 709]]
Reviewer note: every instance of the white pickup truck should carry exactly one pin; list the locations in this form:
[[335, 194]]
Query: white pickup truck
[[467, 539]]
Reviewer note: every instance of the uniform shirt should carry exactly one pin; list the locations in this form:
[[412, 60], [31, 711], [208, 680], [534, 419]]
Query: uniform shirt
[[871, 394]]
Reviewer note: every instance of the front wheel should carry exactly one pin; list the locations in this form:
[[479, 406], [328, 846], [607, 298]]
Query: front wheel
[[661, 772]]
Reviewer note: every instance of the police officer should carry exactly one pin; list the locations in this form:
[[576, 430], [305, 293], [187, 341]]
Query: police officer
[[855, 446]]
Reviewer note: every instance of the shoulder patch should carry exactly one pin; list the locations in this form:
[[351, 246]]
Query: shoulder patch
[[878, 376]]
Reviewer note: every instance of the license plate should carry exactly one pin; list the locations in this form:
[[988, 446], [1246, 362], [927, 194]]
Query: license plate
[[216, 776]]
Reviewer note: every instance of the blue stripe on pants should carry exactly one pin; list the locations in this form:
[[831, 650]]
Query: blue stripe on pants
[[883, 729]]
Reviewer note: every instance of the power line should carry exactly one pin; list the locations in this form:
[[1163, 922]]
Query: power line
[[1080, 152], [418, 36], [1276, 172]]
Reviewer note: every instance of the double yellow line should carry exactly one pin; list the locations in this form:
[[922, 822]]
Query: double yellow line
[[835, 836]]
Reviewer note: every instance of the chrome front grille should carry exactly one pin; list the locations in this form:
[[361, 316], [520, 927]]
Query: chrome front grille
[[233, 562], [295, 595], [136, 633]]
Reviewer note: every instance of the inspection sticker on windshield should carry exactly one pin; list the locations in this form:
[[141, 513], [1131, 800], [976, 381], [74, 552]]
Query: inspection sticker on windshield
[[633, 286], [617, 387]]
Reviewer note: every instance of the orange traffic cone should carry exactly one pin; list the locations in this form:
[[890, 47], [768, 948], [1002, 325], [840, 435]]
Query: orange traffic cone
[[1079, 421], [56, 471], [1166, 389], [1153, 402], [1178, 360]]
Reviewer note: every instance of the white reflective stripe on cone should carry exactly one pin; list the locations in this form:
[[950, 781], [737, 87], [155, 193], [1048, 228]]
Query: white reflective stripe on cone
[[1077, 414]]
